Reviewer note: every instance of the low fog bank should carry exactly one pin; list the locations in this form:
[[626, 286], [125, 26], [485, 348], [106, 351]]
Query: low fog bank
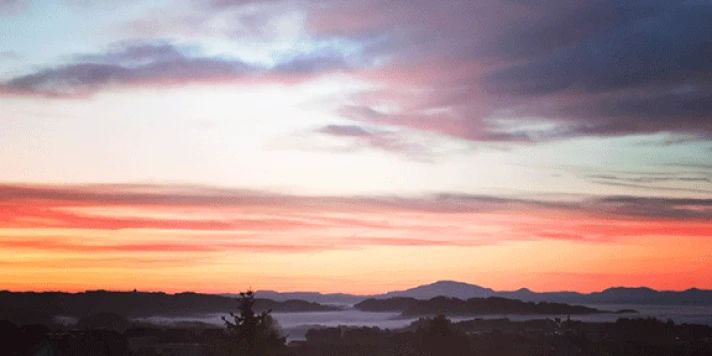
[[295, 325]]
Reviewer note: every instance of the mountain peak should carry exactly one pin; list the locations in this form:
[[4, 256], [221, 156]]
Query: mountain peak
[[447, 282], [447, 288], [630, 290]]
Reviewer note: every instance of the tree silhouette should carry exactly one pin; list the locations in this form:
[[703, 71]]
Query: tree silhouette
[[438, 337], [250, 333]]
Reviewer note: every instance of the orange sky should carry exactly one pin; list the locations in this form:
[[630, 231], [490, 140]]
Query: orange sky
[[175, 239], [355, 146]]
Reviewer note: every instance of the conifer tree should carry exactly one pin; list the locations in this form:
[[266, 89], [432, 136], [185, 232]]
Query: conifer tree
[[253, 334]]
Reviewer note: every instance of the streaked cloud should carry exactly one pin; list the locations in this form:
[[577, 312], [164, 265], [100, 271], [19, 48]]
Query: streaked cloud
[[679, 180], [129, 226], [164, 63], [79, 207], [42, 199], [385, 140]]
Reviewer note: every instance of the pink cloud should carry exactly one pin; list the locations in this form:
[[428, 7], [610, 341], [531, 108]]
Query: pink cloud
[[577, 65]]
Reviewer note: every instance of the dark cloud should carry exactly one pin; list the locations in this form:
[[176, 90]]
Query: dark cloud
[[666, 43], [83, 78], [449, 123], [669, 208], [156, 63], [678, 110], [546, 30], [137, 53], [603, 68], [645, 70], [389, 141]]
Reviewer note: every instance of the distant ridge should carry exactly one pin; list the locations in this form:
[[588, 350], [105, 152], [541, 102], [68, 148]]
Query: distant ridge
[[314, 297], [461, 290], [31, 307], [451, 289], [411, 307]]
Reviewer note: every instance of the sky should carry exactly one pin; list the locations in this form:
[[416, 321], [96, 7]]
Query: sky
[[355, 146]]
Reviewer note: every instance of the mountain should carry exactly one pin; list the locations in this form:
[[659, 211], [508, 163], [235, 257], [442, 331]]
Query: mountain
[[619, 295], [460, 290], [442, 288], [644, 295]]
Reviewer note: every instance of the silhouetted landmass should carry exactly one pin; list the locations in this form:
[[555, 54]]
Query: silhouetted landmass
[[424, 337], [438, 336], [691, 296], [617, 295], [104, 321], [626, 311], [29, 307], [292, 306], [24, 316], [409, 307], [450, 289], [316, 297]]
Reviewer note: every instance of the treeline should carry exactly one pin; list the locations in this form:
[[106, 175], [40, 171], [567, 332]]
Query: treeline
[[439, 337], [409, 307], [255, 334], [37, 307]]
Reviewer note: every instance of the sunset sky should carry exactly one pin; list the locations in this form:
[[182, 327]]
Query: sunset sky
[[355, 146]]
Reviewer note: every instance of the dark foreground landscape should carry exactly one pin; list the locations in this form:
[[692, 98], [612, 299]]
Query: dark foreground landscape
[[104, 326], [428, 336]]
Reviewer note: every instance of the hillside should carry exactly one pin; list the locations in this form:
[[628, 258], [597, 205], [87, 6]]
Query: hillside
[[411, 307], [135, 304]]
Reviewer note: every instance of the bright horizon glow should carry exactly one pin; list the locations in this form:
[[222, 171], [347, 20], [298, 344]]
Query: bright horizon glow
[[106, 236], [360, 148]]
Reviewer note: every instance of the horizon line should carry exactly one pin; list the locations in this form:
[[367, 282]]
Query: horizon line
[[348, 294]]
